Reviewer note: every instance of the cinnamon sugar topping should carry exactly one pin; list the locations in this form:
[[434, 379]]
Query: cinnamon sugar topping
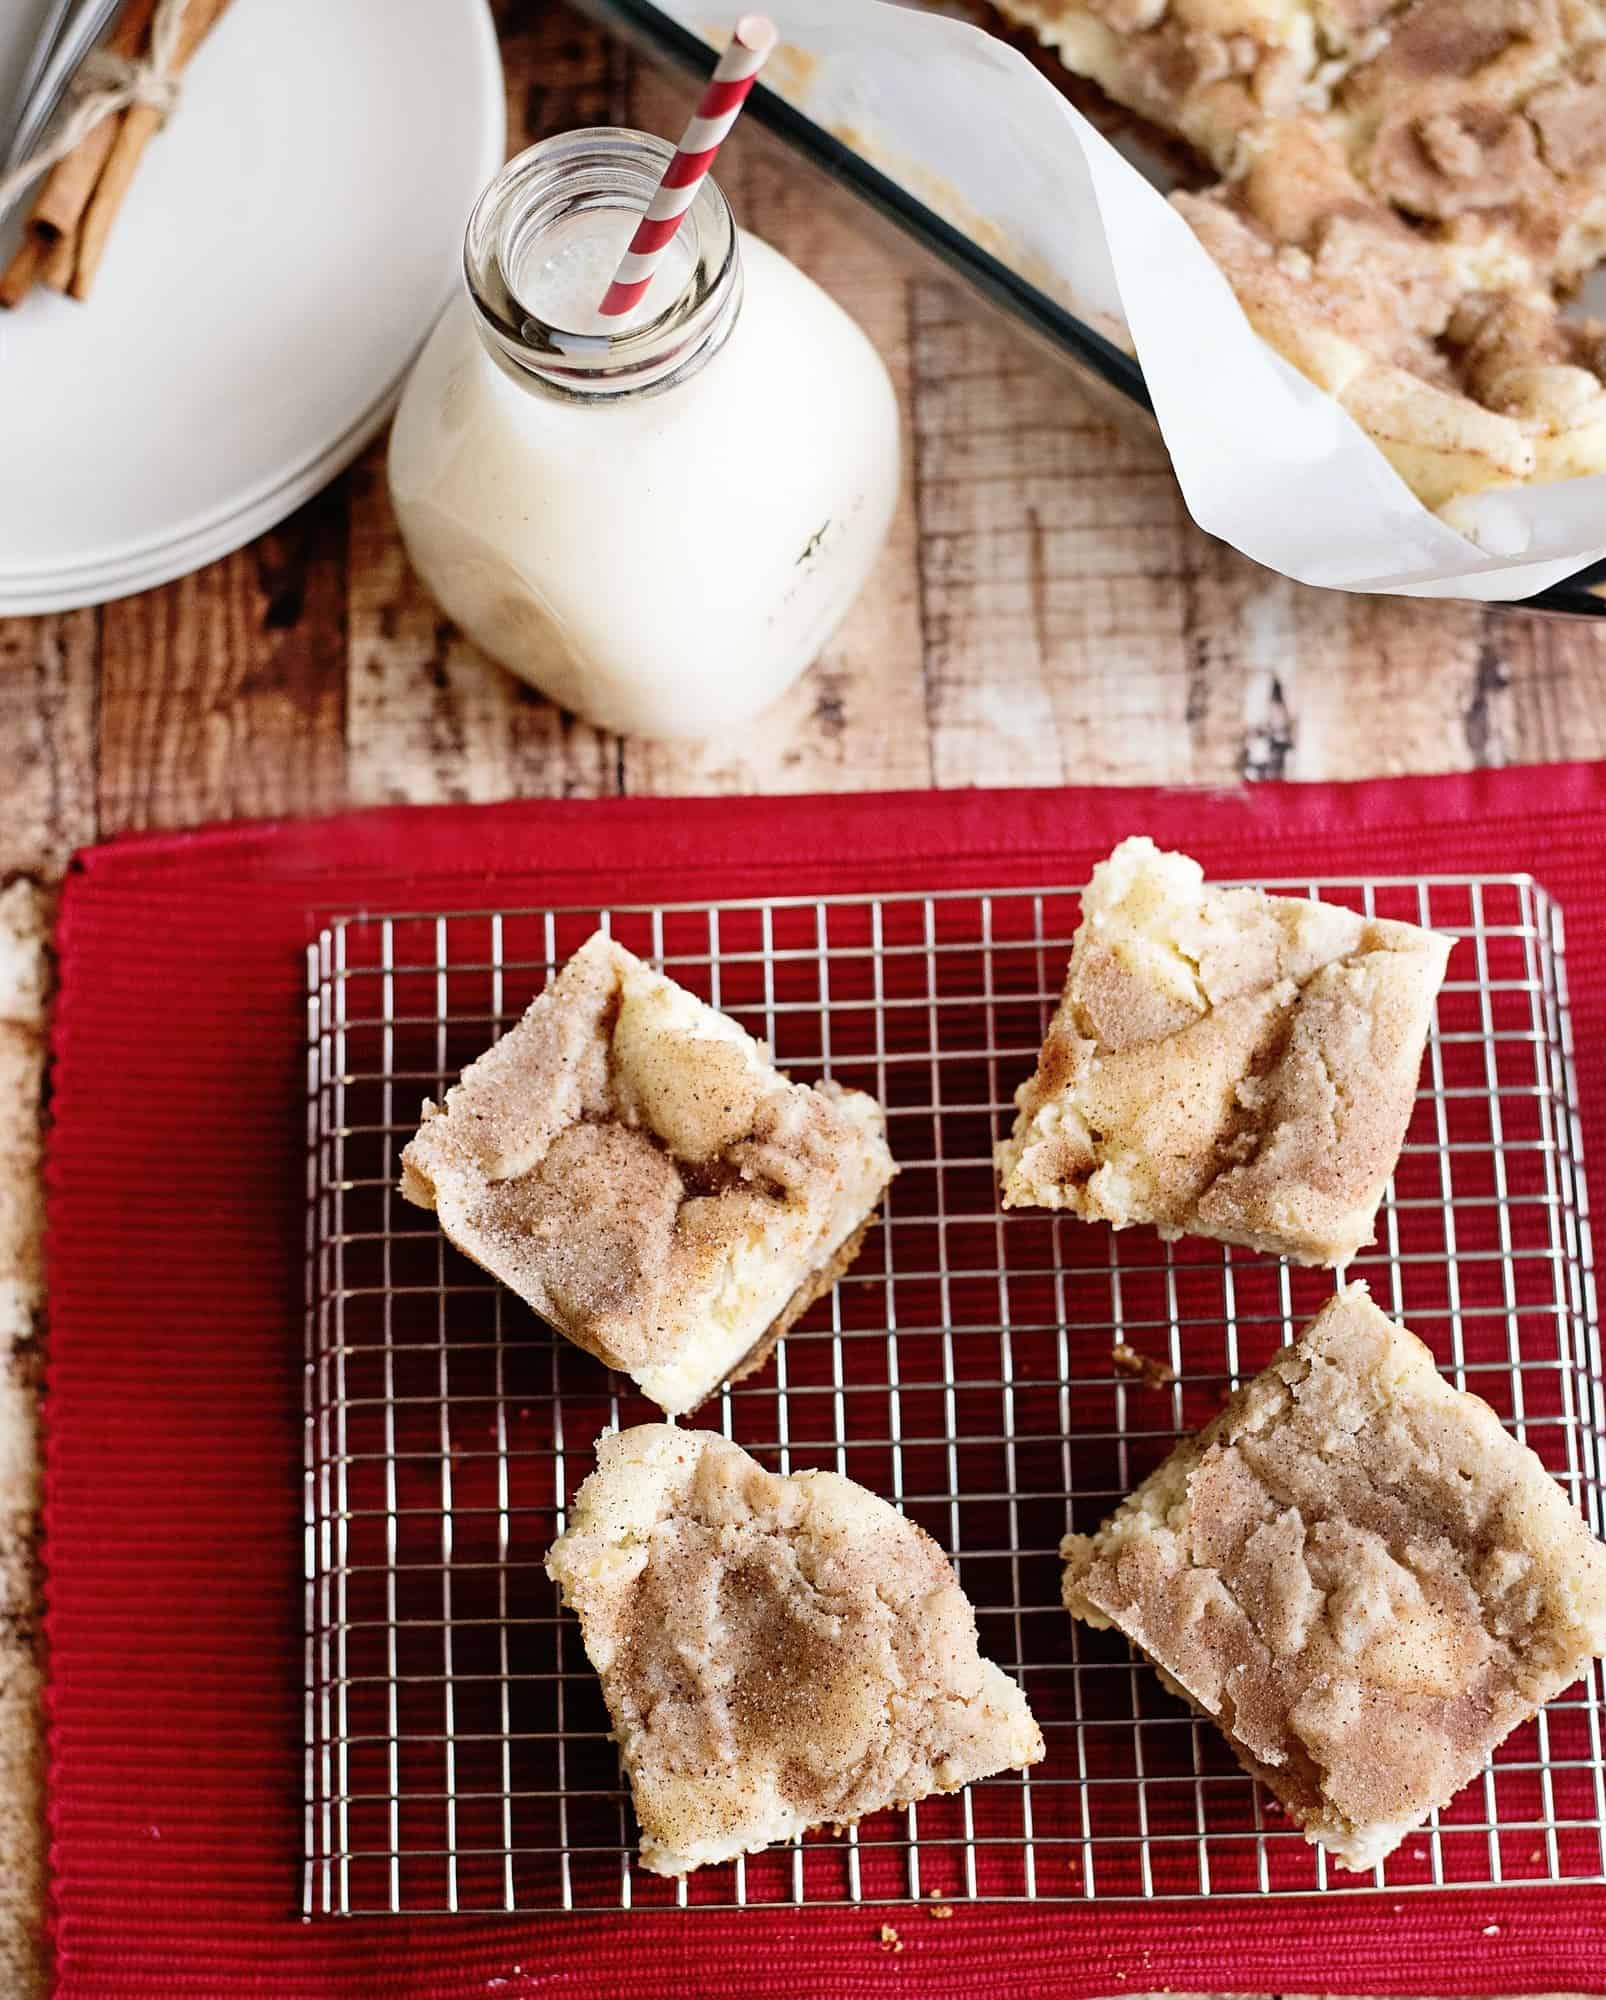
[[1384, 165], [1358, 1574], [1224, 1063], [776, 1652], [631, 1163]]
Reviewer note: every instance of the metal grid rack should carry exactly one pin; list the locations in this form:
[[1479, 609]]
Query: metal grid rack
[[457, 1749]]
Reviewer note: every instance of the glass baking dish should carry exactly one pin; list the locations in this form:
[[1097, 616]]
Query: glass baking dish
[[1114, 377]]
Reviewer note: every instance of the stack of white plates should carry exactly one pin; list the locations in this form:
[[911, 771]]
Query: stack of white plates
[[284, 251]]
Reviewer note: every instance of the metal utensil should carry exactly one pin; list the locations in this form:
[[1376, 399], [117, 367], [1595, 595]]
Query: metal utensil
[[44, 45], [77, 39]]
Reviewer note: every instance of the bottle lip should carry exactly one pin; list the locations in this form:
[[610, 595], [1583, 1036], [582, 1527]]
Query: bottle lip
[[598, 167]]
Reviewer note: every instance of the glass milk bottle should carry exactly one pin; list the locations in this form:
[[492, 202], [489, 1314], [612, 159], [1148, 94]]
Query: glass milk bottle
[[657, 520]]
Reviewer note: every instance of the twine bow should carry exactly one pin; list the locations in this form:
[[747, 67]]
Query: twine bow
[[105, 85]]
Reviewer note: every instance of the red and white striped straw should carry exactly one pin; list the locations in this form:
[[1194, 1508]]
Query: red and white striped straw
[[716, 113]]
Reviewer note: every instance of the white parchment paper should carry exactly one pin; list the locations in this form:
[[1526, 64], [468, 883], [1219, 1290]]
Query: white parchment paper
[[1265, 460]]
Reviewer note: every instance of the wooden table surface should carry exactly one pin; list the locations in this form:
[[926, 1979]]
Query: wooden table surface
[[1045, 613]]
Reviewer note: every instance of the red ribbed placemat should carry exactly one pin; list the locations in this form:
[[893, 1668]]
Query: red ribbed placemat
[[173, 1503]]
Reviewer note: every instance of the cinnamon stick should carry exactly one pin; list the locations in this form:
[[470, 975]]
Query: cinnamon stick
[[16, 281], [138, 126], [61, 201], [59, 261]]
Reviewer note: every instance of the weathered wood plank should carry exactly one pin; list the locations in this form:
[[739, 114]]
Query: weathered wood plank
[[24, 926], [1540, 691], [561, 71], [47, 736], [223, 695], [429, 718], [1051, 569], [1299, 683], [1080, 629]]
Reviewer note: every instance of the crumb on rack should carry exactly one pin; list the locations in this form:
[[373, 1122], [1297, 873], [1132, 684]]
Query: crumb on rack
[[942, 1910], [1152, 1373]]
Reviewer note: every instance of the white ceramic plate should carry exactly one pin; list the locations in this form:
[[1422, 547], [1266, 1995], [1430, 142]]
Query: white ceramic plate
[[68, 589], [286, 246], [63, 590]]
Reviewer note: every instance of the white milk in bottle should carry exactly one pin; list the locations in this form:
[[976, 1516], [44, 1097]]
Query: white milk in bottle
[[660, 520]]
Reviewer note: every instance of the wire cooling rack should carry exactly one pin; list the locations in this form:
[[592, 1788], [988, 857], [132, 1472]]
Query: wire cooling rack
[[457, 1748]]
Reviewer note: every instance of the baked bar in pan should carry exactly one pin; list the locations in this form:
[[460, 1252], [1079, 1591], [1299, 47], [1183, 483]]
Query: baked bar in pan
[[1408, 194]]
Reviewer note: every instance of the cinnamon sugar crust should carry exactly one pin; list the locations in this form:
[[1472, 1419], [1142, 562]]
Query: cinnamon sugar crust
[[1390, 170], [1206, 70], [1443, 344], [1488, 118], [1358, 1575], [631, 1163], [1225, 1063], [776, 1652], [1504, 391]]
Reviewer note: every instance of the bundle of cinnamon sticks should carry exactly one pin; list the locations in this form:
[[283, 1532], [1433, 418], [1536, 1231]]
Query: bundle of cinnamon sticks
[[70, 221]]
